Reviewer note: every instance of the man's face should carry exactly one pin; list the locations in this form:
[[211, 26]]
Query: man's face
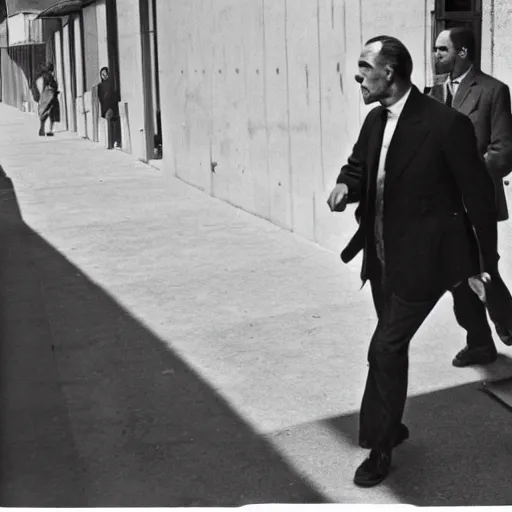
[[373, 75], [445, 53], [104, 74]]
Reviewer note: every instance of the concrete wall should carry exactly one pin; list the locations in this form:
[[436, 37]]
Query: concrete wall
[[501, 33], [91, 56], [259, 104], [23, 29], [130, 75], [101, 18], [79, 57]]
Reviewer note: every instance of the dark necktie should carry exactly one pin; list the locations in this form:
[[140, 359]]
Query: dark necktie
[[449, 96]]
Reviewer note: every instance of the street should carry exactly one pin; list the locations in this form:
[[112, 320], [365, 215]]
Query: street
[[163, 348]]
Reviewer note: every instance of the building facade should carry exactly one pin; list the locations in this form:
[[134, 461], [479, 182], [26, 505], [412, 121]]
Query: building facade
[[252, 101], [260, 107], [23, 51]]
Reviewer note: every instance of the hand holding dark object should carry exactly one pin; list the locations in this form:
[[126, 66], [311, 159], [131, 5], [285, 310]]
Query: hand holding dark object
[[338, 198], [492, 291]]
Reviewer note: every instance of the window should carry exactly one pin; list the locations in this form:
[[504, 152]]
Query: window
[[456, 13], [458, 5]]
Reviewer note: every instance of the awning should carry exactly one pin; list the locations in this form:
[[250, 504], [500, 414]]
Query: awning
[[26, 6], [64, 8]]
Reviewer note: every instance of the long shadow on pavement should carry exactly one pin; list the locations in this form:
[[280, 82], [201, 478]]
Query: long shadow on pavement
[[459, 452], [97, 411]]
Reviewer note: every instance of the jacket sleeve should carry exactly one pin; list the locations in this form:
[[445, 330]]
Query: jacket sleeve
[[499, 151], [476, 186], [353, 173]]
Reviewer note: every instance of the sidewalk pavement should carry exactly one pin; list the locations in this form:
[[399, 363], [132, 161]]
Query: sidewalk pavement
[[162, 348]]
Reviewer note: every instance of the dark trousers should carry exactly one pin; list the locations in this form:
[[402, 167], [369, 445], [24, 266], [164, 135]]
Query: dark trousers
[[388, 357], [114, 128]]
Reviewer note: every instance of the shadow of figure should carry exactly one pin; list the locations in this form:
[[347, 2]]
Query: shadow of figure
[[459, 452], [98, 411]]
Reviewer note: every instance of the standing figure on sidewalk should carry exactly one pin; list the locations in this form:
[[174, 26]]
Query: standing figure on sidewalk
[[427, 222], [109, 99], [48, 107], [486, 101]]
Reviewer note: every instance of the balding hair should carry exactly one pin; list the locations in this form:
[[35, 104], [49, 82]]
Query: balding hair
[[394, 52]]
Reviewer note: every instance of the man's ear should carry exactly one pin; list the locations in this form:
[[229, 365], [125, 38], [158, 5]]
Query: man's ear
[[390, 72]]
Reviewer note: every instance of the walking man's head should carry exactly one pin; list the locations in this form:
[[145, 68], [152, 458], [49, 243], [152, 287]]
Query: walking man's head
[[104, 73], [454, 51], [385, 67]]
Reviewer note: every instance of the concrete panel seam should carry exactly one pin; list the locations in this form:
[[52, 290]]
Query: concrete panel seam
[[290, 168]]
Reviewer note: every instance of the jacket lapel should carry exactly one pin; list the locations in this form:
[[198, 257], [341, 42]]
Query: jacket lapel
[[438, 92], [467, 94], [410, 133]]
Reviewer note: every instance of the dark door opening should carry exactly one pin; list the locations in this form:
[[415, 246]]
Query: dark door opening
[[153, 122], [113, 58]]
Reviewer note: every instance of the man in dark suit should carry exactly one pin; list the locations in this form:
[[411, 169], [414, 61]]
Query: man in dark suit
[[427, 223], [486, 101]]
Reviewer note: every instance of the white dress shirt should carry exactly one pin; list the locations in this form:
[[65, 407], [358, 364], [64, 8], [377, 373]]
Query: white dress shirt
[[394, 111], [454, 84]]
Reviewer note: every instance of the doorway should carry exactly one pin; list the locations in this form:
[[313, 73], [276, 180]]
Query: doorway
[[113, 59], [153, 120]]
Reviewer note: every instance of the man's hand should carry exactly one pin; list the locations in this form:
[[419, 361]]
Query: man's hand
[[338, 199]]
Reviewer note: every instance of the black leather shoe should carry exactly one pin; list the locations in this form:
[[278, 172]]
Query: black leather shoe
[[374, 469], [475, 356]]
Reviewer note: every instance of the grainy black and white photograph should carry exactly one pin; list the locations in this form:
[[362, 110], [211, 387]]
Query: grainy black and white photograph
[[255, 252]]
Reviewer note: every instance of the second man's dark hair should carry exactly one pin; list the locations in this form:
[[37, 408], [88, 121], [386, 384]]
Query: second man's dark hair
[[463, 37], [395, 53]]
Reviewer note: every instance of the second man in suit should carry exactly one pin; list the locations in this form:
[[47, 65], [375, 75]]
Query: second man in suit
[[486, 101]]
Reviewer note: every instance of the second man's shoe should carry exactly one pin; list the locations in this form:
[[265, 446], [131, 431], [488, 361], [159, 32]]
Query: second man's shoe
[[505, 334], [402, 435], [475, 356], [374, 469]]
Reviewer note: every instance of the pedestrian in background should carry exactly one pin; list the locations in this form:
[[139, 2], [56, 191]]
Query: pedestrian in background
[[48, 105], [109, 98]]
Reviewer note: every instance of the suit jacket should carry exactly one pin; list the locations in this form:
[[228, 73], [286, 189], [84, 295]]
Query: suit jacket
[[486, 101], [439, 210]]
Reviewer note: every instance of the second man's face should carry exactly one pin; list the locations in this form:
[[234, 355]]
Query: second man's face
[[444, 53]]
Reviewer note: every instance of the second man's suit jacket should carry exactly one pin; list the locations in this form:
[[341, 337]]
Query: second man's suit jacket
[[437, 195], [486, 101]]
